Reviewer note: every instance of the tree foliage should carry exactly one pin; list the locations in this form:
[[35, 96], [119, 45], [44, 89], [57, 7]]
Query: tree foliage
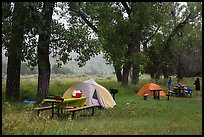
[[76, 37], [171, 39]]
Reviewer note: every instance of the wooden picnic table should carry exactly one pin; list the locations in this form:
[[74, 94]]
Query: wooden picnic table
[[156, 93], [62, 103]]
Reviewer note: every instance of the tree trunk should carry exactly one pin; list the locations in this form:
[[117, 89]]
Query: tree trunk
[[136, 65], [152, 75], [14, 53], [179, 69], [157, 76], [135, 74], [126, 70], [118, 73], [165, 73], [127, 66], [43, 52], [13, 78]]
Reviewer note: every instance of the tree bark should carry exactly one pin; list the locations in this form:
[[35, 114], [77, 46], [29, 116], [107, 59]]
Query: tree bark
[[13, 78], [179, 69], [157, 76], [14, 56], [136, 65], [43, 52], [127, 66], [135, 74], [118, 73], [126, 70], [165, 73]]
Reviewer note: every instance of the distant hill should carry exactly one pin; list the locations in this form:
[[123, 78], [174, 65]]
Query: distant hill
[[94, 65]]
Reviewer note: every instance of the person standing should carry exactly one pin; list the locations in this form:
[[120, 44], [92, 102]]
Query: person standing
[[170, 84], [197, 88]]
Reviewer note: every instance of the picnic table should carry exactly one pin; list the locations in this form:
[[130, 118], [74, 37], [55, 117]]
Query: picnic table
[[61, 104], [156, 93], [180, 90]]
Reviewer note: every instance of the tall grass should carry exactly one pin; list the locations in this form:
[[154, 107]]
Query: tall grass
[[131, 116]]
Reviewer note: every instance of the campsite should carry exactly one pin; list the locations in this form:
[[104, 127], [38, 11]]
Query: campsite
[[101, 68], [131, 116]]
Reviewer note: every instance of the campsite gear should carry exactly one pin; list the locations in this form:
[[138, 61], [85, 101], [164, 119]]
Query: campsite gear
[[113, 92], [57, 97], [27, 101], [190, 90], [95, 93], [146, 89], [76, 94]]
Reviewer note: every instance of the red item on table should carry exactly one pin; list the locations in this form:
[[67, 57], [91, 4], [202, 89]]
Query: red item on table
[[57, 97], [78, 95]]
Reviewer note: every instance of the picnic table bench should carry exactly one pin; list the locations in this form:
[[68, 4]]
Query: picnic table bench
[[49, 107], [80, 108], [43, 108]]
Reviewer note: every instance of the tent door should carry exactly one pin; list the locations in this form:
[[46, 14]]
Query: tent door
[[94, 99]]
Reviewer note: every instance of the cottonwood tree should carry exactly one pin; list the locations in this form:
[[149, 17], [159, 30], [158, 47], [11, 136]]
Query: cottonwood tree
[[166, 46], [121, 35], [21, 43], [14, 25], [41, 36], [75, 37], [19, 28], [43, 51], [60, 41], [174, 43], [188, 52]]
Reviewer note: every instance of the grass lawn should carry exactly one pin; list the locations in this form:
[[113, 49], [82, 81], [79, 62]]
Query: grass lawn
[[131, 116]]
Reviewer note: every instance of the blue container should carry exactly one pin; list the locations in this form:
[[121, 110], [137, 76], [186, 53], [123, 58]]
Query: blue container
[[190, 90], [29, 101]]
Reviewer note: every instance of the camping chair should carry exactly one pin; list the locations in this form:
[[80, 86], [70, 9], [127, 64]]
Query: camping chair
[[113, 92]]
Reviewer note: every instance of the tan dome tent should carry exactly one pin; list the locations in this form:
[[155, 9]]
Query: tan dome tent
[[95, 93], [151, 86]]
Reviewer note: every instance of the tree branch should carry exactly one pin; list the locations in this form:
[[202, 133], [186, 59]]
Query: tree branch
[[144, 43], [179, 27], [126, 8], [81, 14]]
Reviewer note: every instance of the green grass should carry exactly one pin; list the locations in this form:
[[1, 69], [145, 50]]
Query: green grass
[[131, 116]]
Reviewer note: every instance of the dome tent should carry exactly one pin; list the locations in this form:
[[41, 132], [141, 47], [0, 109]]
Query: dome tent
[[95, 93]]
